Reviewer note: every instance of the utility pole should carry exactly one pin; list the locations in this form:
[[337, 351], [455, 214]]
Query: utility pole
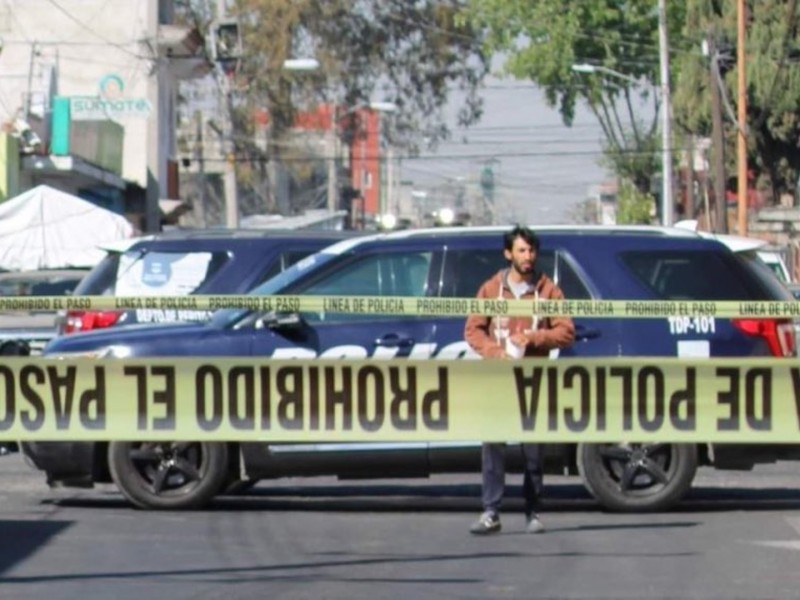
[[666, 116], [231, 190], [717, 140], [201, 168], [333, 155], [390, 203], [156, 165], [689, 208], [28, 90], [741, 136]]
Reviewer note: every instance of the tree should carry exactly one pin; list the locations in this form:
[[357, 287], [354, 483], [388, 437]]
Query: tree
[[634, 207], [773, 90], [541, 40], [412, 54]]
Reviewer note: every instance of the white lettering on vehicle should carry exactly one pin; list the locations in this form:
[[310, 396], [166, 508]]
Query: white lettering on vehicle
[[455, 350], [154, 315], [281, 353], [687, 325], [347, 351]]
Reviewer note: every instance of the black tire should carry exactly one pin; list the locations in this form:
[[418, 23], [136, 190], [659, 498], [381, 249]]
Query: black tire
[[168, 475], [637, 477]]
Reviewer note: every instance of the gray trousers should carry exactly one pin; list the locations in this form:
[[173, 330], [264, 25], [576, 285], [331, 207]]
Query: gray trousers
[[493, 470]]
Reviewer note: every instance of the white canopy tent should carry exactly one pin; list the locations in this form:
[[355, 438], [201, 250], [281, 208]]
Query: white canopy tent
[[45, 228]]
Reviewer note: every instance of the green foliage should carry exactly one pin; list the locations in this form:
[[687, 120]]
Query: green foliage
[[411, 54], [634, 207], [773, 84], [543, 39]]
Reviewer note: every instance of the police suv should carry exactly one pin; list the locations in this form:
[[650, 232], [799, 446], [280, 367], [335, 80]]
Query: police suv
[[183, 262], [588, 263]]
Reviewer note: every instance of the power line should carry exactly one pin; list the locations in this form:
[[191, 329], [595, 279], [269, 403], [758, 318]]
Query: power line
[[455, 157], [93, 31]]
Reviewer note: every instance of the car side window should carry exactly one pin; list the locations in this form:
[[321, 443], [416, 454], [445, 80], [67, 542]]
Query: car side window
[[391, 274], [286, 260], [696, 275], [466, 270], [568, 279]]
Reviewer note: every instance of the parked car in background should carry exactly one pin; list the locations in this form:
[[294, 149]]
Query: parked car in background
[[774, 260], [178, 263], [621, 263], [24, 332]]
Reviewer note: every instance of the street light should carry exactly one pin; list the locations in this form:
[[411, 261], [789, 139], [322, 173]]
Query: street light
[[587, 68], [666, 135], [300, 64]]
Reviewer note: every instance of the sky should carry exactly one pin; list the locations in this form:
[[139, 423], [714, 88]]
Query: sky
[[545, 168]]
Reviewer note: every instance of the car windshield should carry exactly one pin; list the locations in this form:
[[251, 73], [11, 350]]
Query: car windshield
[[146, 272], [276, 285]]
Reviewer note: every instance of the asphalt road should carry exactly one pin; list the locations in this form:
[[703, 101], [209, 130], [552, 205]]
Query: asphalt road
[[736, 536]]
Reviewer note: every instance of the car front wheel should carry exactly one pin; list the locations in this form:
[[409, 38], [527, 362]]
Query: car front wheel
[[168, 475], [637, 477]]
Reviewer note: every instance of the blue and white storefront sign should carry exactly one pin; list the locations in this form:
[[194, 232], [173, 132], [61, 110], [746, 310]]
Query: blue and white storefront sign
[[110, 103]]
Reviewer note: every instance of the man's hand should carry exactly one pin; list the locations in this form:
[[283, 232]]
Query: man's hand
[[520, 339]]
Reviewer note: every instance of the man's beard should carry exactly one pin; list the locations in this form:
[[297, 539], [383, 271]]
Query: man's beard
[[524, 269]]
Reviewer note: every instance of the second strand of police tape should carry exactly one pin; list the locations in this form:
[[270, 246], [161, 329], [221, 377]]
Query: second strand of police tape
[[416, 306]]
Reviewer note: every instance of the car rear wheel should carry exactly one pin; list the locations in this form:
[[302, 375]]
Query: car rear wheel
[[637, 477], [168, 475]]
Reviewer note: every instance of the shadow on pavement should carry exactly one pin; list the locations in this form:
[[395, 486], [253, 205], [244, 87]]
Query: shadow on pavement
[[416, 497], [23, 538]]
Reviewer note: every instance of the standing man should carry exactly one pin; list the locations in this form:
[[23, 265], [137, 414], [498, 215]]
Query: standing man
[[515, 337]]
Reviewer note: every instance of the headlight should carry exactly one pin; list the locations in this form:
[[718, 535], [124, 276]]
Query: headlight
[[388, 221], [105, 352], [447, 216]]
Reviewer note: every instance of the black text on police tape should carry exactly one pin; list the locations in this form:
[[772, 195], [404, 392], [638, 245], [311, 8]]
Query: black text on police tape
[[743, 398], [295, 398], [51, 391]]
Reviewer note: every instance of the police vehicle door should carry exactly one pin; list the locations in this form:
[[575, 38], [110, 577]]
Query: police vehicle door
[[377, 327]]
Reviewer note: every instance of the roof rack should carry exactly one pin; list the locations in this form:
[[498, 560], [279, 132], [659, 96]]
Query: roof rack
[[654, 230]]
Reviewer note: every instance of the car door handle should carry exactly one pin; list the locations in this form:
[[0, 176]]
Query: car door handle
[[394, 340], [586, 333]]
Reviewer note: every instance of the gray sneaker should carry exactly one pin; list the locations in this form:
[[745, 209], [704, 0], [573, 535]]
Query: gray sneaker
[[488, 522], [534, 524]]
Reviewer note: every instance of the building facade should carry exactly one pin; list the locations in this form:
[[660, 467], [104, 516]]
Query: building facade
[[88, 92]]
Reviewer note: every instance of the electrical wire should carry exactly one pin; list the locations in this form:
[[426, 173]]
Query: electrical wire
[[93, 31]]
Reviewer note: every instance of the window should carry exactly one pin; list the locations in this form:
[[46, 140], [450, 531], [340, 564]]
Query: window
[[467, 270], [39, 283], [398, 274], [162, 273], [377, 275], [286, 260], [694, 275], [151, 273]]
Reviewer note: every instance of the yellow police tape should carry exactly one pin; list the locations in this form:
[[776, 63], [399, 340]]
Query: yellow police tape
[[415, 306], [668, 400]]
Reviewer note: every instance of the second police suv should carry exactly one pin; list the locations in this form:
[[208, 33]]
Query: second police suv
[[622, 263]]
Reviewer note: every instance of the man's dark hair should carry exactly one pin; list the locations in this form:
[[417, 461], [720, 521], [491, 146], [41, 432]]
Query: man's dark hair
[[520, 232]]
